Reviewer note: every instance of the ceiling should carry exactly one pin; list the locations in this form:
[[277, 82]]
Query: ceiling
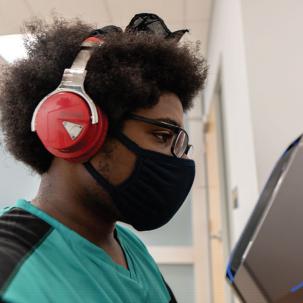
[[177, 14]]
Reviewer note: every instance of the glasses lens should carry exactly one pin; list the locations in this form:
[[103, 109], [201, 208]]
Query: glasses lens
[[181, 144]]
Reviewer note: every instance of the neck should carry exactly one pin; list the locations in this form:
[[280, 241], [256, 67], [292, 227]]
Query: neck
[[75, 209]]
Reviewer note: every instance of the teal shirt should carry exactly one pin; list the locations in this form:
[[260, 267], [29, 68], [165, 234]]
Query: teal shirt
[[42, 260]]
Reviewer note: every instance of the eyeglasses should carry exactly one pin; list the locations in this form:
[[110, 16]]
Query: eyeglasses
[[179, 145]]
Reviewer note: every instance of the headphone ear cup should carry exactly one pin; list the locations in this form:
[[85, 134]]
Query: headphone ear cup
[[63, 124]]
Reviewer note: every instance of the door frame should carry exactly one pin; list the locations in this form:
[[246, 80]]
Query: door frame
[[217, 100]]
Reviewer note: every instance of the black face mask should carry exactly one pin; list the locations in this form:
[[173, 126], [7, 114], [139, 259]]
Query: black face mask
[[154, 191]]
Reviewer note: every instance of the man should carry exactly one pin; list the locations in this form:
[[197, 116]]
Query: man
[[109, 145]]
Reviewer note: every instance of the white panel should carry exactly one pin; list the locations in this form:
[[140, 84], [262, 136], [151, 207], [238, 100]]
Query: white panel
[[172, 254], [180, 278]]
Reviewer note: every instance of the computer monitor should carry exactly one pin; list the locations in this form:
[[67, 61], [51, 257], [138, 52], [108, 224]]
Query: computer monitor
[[266, 265]]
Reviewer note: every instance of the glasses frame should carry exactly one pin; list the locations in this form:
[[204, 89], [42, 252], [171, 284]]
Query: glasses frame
[[176, 129]]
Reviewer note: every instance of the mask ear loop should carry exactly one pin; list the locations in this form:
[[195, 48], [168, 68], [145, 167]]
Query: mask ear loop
[[129, 144], [99, 178]]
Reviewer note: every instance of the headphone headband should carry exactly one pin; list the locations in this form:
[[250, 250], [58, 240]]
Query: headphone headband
[[73, 79]]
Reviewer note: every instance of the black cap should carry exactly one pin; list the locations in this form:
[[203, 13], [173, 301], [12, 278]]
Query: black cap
[[153, 24], [144, 22]]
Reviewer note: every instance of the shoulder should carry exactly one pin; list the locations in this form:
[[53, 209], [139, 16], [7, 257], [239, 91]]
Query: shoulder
[[20, 234]]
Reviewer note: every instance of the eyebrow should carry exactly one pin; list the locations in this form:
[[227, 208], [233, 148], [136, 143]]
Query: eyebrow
[[168, 120]]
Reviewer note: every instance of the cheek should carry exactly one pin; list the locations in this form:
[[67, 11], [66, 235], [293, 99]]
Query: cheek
[[116, 166]]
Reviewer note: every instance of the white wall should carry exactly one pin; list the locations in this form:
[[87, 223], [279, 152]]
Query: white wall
[[226, 53], [16, 180], [274, 48], [2, 61]]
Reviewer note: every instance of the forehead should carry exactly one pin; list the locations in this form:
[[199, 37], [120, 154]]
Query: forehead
[[169, 106]]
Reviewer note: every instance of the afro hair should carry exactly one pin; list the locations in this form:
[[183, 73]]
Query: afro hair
[[130, 71]]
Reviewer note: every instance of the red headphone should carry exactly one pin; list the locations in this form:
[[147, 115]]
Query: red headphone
[[67, 121]]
